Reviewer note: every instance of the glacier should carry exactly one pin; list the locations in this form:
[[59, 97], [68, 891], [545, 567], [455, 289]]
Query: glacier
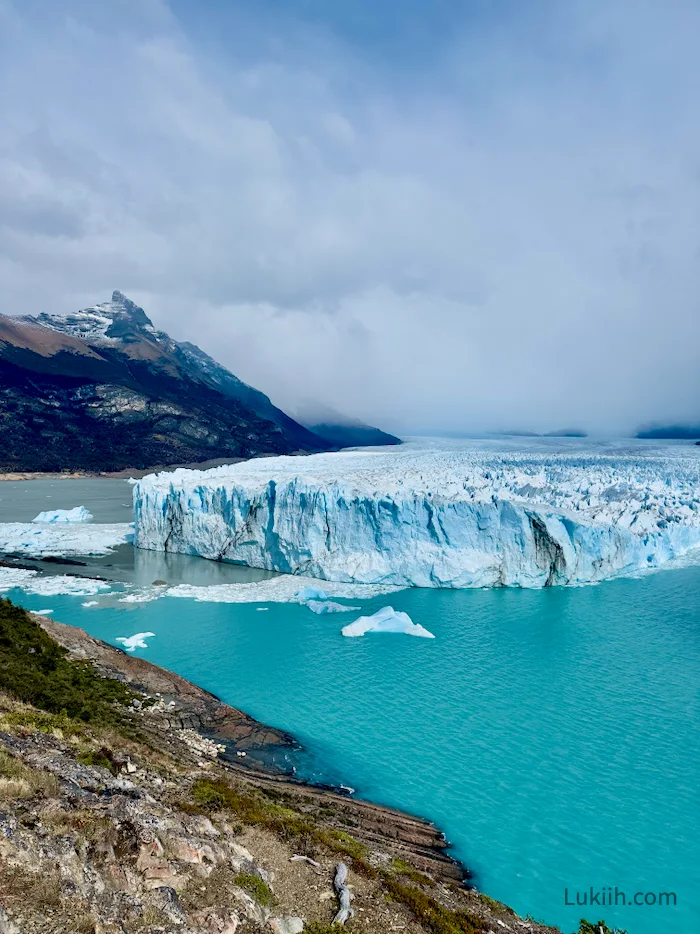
[[432, 517]]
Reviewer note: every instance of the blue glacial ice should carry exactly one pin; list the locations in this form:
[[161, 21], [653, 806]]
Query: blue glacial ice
[[311, 593], [434, 518]]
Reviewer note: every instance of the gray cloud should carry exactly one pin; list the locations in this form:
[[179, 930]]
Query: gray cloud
[[509, 238]]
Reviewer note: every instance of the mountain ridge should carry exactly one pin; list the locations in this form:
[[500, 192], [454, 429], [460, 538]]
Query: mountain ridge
[[103, 389]]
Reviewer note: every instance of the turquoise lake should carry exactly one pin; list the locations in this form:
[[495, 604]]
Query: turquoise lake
[[552, 734]]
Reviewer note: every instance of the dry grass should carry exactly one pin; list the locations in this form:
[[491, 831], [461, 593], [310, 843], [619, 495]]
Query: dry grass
[[18, 780], [30, 891], [87, 824]]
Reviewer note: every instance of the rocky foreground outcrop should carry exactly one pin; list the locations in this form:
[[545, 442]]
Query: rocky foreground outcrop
[[144, 828]]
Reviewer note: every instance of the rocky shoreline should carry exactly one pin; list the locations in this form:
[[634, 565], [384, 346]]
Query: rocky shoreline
[[261, 753]]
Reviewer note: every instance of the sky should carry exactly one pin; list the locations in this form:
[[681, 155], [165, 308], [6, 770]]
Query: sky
[[436, 216]]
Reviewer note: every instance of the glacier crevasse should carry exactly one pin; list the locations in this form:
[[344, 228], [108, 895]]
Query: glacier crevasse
[[429, 518]]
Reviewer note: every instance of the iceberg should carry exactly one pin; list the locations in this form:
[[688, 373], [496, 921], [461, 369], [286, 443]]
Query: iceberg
[[78, 514], [434, 518], [386, 620], [137, 641]]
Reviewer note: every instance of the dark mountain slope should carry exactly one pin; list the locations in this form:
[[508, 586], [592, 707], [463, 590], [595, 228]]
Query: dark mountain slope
[[103, 390], [341, 430], [674, 432]]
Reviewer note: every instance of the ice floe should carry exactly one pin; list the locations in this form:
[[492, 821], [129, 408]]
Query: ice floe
[[281, 589], [63, 538], [137, 641], [387, 620], [434, 518], [50, 586], [77, 514]]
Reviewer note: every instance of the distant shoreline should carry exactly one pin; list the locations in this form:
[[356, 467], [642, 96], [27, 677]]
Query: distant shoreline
[[125, 474]]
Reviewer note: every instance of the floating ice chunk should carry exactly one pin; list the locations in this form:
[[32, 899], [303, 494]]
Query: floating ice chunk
[[137, 641], [43, 612], [90, 603], [386, 620], [328, 606], [262, 609], [144, 596], [311, 593], [78, 514]]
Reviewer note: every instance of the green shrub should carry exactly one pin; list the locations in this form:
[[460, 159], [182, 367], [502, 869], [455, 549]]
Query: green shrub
[[256, 887], [38, 671], [102, 757], [434, 916], [600, 927], [402, 868], [207, 796]]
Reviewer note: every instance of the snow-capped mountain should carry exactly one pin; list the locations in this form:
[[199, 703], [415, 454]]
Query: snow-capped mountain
[[103, 389]]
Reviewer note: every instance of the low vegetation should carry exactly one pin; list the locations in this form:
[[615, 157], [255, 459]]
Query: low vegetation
[[400, 880], [18, 780], [256, 887], [600, 927], [35, 669]]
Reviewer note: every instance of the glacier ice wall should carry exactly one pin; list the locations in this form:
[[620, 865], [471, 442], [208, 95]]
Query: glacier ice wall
[[432, 518]]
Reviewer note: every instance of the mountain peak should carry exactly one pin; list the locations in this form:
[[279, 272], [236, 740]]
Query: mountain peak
[[121, 306], [114, 319]]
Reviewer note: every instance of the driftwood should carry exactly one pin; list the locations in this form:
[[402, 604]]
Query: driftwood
[[344, 894], [307, 859], [304, 859]]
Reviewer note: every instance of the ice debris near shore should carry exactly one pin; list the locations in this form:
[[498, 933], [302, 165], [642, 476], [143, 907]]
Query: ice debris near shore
[[32, 582], [317, 601], [77, 514], [432, 518], [386, 620], [137, 641], [63, 538]]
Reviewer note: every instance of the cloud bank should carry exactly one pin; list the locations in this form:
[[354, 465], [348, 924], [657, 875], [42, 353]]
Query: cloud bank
[[499, 230]]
